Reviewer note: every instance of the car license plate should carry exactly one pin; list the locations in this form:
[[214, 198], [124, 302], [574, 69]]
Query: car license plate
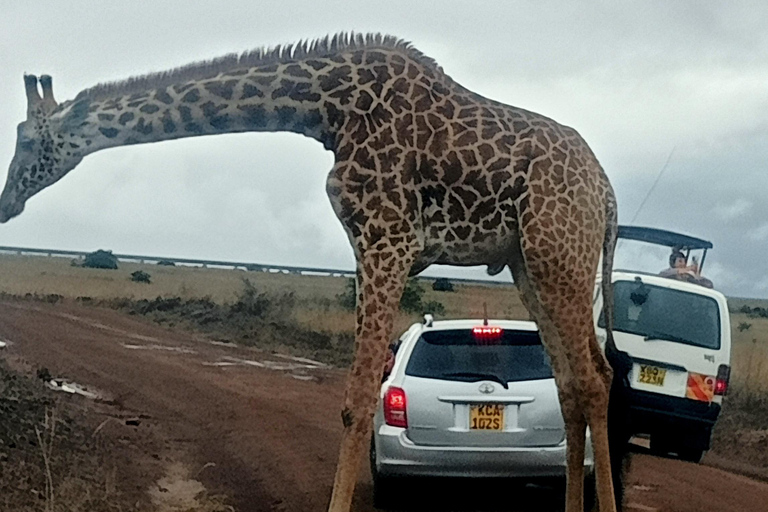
[[486, 417], [652, 375]]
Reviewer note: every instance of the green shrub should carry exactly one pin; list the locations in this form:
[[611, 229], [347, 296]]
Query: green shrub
[[442, 284], [411, 301], [348, 298], [101, 259], [141, 277]]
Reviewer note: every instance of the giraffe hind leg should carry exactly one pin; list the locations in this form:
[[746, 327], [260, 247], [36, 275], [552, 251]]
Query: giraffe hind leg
[[575, 421], [559, 297]]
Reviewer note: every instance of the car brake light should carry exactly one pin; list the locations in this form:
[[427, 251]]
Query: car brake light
[[487, 335], [723, 375], [394, 408]]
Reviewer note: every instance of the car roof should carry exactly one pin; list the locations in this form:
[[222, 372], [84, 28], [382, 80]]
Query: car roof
[[444, 325]]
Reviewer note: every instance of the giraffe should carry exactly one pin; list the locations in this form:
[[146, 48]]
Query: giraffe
[[425, 172]]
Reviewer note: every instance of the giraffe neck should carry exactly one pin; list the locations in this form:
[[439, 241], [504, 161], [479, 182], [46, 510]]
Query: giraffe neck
[[291, 97]]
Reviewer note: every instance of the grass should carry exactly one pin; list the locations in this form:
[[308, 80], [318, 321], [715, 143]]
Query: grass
[[315, 325]]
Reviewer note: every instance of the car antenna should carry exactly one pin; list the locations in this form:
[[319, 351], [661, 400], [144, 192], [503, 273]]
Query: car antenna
[[485, 313]]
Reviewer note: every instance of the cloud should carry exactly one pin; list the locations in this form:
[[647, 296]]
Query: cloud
[[636, 80], [734, 210]]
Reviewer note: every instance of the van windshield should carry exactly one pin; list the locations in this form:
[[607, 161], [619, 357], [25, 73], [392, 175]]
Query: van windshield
[[461, 356], [658, 313]]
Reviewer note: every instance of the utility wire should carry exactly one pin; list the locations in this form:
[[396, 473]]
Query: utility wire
[[650, 191]]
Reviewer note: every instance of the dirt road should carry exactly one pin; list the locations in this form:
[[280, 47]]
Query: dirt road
[[270, 425]]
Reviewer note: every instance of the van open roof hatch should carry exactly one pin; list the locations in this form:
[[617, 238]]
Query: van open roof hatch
[[668, 238]]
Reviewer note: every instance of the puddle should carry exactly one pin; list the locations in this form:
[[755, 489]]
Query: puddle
[[142, 337], [316, 364], [247, 362], [303, 377], [643, 508], [223, 344], [72, 388], [176, 491], [220, 363], [166, 348]]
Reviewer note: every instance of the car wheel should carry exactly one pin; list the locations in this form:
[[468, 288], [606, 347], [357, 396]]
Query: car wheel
[[383, 492], [590, 492]]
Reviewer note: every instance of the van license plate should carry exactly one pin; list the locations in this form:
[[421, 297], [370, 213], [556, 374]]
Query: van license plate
[[652, 375], [486, 417]]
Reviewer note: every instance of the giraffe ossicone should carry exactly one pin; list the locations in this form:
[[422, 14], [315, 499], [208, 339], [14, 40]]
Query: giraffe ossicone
[[425, 172]]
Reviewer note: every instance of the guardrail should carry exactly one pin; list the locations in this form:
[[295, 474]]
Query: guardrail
[[263, 267]]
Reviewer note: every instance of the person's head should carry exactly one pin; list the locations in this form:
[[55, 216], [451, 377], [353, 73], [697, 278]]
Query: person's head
[[677, 260]]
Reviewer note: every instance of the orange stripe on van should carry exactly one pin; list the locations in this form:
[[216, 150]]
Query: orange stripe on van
[[700, 387]]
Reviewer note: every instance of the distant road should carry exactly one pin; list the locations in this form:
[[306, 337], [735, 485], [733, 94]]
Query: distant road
[[262, 267]]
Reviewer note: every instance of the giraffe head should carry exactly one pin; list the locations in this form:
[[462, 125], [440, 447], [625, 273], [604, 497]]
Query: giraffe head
[[46, 148]]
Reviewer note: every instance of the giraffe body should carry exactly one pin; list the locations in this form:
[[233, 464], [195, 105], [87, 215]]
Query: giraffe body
[[425, 172]]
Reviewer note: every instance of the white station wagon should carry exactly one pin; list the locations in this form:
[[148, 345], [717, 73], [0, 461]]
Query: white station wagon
[[469, 399]]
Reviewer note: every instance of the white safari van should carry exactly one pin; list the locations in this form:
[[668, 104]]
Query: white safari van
[[678, 335]]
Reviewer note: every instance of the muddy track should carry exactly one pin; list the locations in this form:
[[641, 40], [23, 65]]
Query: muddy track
[[270, 425]]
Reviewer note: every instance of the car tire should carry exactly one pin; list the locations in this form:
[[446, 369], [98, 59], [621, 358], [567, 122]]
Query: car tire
[[590, 492], [384, 491]]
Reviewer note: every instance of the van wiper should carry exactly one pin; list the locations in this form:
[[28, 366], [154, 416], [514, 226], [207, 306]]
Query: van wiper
[[478, 376], [667, 337]]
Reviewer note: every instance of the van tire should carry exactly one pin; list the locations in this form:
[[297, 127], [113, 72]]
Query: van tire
[[691, 455]]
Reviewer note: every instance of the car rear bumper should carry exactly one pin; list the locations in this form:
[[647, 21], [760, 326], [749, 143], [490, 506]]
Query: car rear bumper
[[396, 455]]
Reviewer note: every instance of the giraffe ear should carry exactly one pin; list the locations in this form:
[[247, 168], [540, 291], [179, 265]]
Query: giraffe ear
[[75, 114]]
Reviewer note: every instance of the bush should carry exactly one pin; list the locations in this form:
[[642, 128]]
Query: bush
[[442, 284], [348, 299], [101, 259], [140, 277], [166, 263], [434, 307], [412, 300]]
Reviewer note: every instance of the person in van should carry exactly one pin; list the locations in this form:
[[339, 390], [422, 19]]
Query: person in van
[[680, 270]]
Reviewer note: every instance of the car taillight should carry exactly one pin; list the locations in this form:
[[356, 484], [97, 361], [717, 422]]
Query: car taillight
[[394, 408], [723, 375]]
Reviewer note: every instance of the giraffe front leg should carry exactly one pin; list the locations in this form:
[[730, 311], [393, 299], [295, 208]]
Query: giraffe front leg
[[381, 276]]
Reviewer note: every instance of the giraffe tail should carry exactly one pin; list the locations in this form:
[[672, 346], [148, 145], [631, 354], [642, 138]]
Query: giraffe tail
[[619, 430]]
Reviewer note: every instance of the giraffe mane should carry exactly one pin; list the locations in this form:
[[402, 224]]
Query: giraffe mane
[[201, 70]]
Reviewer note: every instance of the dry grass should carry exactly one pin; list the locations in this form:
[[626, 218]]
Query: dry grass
[[316, 295]]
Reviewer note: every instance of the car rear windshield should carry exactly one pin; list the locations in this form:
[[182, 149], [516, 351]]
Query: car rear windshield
[[662, 313], [460, 355]]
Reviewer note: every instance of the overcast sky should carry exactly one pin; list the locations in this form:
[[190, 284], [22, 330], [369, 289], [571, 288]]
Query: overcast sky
[[640, 81]]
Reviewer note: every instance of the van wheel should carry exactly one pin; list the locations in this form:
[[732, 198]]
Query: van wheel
[[691, 455], [661, 446]]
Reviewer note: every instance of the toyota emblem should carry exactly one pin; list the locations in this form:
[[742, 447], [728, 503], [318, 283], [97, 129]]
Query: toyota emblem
[[486, 388]]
